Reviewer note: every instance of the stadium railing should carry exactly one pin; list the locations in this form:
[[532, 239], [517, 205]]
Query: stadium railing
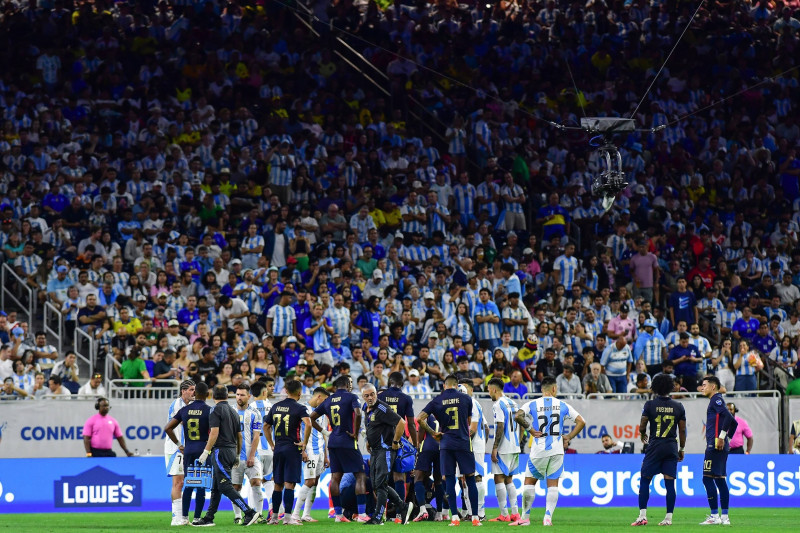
[[88, 354], [18, 291], [729, 394], [61, 397], [127, 388], [54, 324], [534, 395]]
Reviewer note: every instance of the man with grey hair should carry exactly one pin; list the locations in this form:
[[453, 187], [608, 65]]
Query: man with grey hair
[[595, 381]]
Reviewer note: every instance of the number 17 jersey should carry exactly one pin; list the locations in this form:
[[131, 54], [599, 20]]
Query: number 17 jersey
[[663, 414], [549, 416]]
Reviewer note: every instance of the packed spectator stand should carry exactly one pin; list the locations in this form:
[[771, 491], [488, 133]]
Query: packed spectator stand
[[196, 185]]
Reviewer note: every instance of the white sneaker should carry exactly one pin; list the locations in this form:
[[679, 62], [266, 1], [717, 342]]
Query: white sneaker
[[711, 521], [725, 520], [547, 521], [665, 522], [179, 521]]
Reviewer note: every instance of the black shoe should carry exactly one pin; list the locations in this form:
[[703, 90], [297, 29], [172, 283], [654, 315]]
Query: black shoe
[[374, 521], [250, 518], [206, 521], [407, 510]]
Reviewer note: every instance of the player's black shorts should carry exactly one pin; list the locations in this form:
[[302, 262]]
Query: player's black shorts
[[287, 466], [346, 460], [465, 460], [660, 459], [715, 462], [428, 461]]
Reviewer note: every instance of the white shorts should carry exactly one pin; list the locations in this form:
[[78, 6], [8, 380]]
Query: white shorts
[[507, 464], [266, 465], [480, 460], [239, 471], [545, 467], [174, 464], [314, 467]]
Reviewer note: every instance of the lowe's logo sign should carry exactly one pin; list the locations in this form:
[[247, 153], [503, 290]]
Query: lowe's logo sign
[[97, 487]]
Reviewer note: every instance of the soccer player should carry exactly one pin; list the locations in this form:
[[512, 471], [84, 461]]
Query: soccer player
[[316, 463], [193, 419], [478, 429], [720, 424], [258, 392], [667, 420], [453, 410], [343, 410], [284, 420], [383, 432], [505, 451], [427, 463], [403, 405], [249, 462], [547, 449], [172, 454]]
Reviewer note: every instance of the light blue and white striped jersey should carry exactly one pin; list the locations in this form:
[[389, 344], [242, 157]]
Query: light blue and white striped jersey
[[321, 339], [616, 361], [486, 330], [316, 442], [413, 225], [517, 332], [617, 245], [549, 415], [280, 173], [464, 197], [479, 439], [169, 446], [28, 264], [725, 319], [457, 144], [339, 319], [262, 407], [486, 191], [649, 347], [435, 221], [420, 390], [513, 192], [745, 369], [504, 409], [416, 252], [251, 296], [250, 421], [568, 269], [592, 329], [282, 320]]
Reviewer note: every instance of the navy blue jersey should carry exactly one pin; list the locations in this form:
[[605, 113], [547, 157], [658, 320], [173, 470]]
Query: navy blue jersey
[[663, 414], [194, 418], [430, 444], [285, 418], [718, 418], [340, 408], [452, 409], [399, 401]]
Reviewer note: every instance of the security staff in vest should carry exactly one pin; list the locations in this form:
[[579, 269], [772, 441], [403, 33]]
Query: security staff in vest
[[224, 443], [384, 429]]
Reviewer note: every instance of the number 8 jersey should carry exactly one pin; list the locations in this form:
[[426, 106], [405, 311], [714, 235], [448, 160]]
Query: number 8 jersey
[[549, 416]]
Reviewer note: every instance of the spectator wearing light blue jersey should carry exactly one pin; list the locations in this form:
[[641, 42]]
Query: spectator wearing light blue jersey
[[617, 359], [650, 346], [281, 318], [746, 362], [566, 268], [486, 318]]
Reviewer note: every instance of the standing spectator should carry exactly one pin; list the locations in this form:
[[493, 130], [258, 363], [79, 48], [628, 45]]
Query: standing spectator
[[617, 359], [99, 433], [645, 273], [683, 304], [621, 325], [745, 327], [742, 432], [686, 357], [746, 362]]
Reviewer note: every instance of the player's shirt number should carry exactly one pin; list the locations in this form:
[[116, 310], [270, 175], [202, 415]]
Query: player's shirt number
[[554, 420], [335, 418], [193, 426], [276, 421], [452, 412], [669, 420]]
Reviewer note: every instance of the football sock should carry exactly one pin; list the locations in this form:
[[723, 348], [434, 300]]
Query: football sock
[[668, 516], [337, 504], [300, 501], [644, 493], [256, 498], [552, 500], [288, 499], [419, 492], [500, 491], [481, 497], [711, 491], [511, 489], [472, 491], [671, 495], [237, 513], [528, 496], [269, 488], [310, 497], [451, 495], [724, 494], [276, 502], [199, 502], [186, 499], [361, 501], [177, 506], [400, 489], [438, 491]]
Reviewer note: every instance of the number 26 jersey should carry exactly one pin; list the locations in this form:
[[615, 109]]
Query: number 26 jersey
[[549, 416]]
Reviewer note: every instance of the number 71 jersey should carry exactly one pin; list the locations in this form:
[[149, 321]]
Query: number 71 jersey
[[549, 416]]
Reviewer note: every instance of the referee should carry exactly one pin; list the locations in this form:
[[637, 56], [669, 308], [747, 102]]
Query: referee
[[225, 439], [383, 426]]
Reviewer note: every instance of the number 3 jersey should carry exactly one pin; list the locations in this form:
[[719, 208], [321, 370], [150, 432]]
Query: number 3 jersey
[[663, 415], [549, 416]]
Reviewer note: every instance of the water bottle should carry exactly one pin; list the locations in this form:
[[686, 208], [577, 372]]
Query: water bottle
[[148, 452], [136, 452]]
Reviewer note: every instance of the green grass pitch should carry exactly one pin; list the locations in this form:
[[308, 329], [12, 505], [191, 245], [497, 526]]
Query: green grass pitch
[[565, 519]]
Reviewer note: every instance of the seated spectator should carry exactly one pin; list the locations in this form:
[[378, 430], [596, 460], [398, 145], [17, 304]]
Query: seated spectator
[[568, 382], [516, 385], [595, 381], [93, 387], [56, 388]]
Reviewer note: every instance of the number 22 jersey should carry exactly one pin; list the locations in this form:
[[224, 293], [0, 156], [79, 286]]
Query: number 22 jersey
[[549, 415]]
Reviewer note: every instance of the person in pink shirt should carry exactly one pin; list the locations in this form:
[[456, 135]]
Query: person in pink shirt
[[622, 325], [100, 431], [743, 432]]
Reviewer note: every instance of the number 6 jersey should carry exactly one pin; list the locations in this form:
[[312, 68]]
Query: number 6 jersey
[[549, 416]]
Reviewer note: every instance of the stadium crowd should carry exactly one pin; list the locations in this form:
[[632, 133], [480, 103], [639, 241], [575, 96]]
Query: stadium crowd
[[211, 192]]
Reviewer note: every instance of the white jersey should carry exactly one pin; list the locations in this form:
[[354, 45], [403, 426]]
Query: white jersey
[[169, 446], [263, 407], [479, 440], [250, 421], [316, 442], [549, 415], [504, 410]]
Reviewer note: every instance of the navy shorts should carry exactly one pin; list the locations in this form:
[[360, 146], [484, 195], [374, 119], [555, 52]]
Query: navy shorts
[[662, 459], [287, 466], [346, 460], [465, 460], [715, 462], [428, 461]]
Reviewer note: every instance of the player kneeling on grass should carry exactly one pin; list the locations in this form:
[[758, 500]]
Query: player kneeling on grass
[[666, 418], [549, 415]]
